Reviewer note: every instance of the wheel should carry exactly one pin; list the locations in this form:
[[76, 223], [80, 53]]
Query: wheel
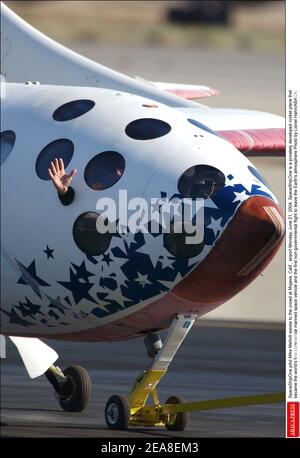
[[117, 412], [76, 390], [177, 421]]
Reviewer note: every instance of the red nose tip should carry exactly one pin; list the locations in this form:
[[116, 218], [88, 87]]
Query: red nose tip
[[246, 247]]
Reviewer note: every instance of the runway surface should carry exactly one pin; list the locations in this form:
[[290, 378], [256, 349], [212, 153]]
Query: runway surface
[[213, 362]]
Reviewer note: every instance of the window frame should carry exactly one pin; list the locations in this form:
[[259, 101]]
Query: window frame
[[58, 155], [57, 113], [11, 144], [135, 122], [180, 182], [93, 166]]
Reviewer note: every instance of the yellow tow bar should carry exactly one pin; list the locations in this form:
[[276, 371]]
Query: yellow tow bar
[[222, 403], [159, 414]]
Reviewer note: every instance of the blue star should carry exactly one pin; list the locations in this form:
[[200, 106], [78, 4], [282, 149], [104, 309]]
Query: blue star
[[53, 314], [28, 308], [49, 252], [82, 272], [29, 277], [15, 319], [106, 258], [79, 290], [56, 303]]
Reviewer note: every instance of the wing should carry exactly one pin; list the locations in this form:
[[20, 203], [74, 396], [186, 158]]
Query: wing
[[257, 142], [254, 133], [187, 91], [27, 54]]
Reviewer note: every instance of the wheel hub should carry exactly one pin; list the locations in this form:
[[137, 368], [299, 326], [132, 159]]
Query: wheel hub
[[113, 414]]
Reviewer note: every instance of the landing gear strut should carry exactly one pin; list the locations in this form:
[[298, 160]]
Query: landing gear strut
[[72, 387], [121, 412]]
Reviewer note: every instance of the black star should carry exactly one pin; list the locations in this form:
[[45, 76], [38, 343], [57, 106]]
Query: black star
[[155, 206], [79, 290], [106, 258], [82, 272], [29, 277], [56, 303], [15, 319], [49, 252], [28, 308]]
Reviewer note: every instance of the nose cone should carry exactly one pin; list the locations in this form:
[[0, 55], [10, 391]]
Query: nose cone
[[246, 247]]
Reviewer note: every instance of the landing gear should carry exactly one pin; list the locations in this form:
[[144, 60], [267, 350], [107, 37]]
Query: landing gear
[[176, 421], [121, 412], [117, 412], [72, 387], [153, 344]]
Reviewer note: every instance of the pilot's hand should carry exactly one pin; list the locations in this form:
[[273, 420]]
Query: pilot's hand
[[59, 177]]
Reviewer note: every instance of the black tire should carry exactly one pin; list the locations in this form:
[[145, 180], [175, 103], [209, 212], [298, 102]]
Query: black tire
[[117, 412], [76, 390], [178, 421]]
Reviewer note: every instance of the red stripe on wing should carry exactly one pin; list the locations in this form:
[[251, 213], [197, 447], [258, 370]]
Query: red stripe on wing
[[257, 142], [191, 94]]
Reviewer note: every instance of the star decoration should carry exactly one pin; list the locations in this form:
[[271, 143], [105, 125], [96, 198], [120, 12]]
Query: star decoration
[[15, 319], [155, 251], [116, 296], [209, 203], [106, 258], [143, 280], [29, 309], [240, 196], [49, 252], [166, 261], [215, 225], [137, 268], [78, 289], [82, 272], [155, 206], [172, 208], [56, 303], [245, 180], [29, 277]]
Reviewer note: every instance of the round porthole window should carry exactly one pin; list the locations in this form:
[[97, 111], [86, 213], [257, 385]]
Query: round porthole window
[[87, 237], [147, 129], [8, 138], [104, 170], [72, 110], [61, 148], [200, 181]]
